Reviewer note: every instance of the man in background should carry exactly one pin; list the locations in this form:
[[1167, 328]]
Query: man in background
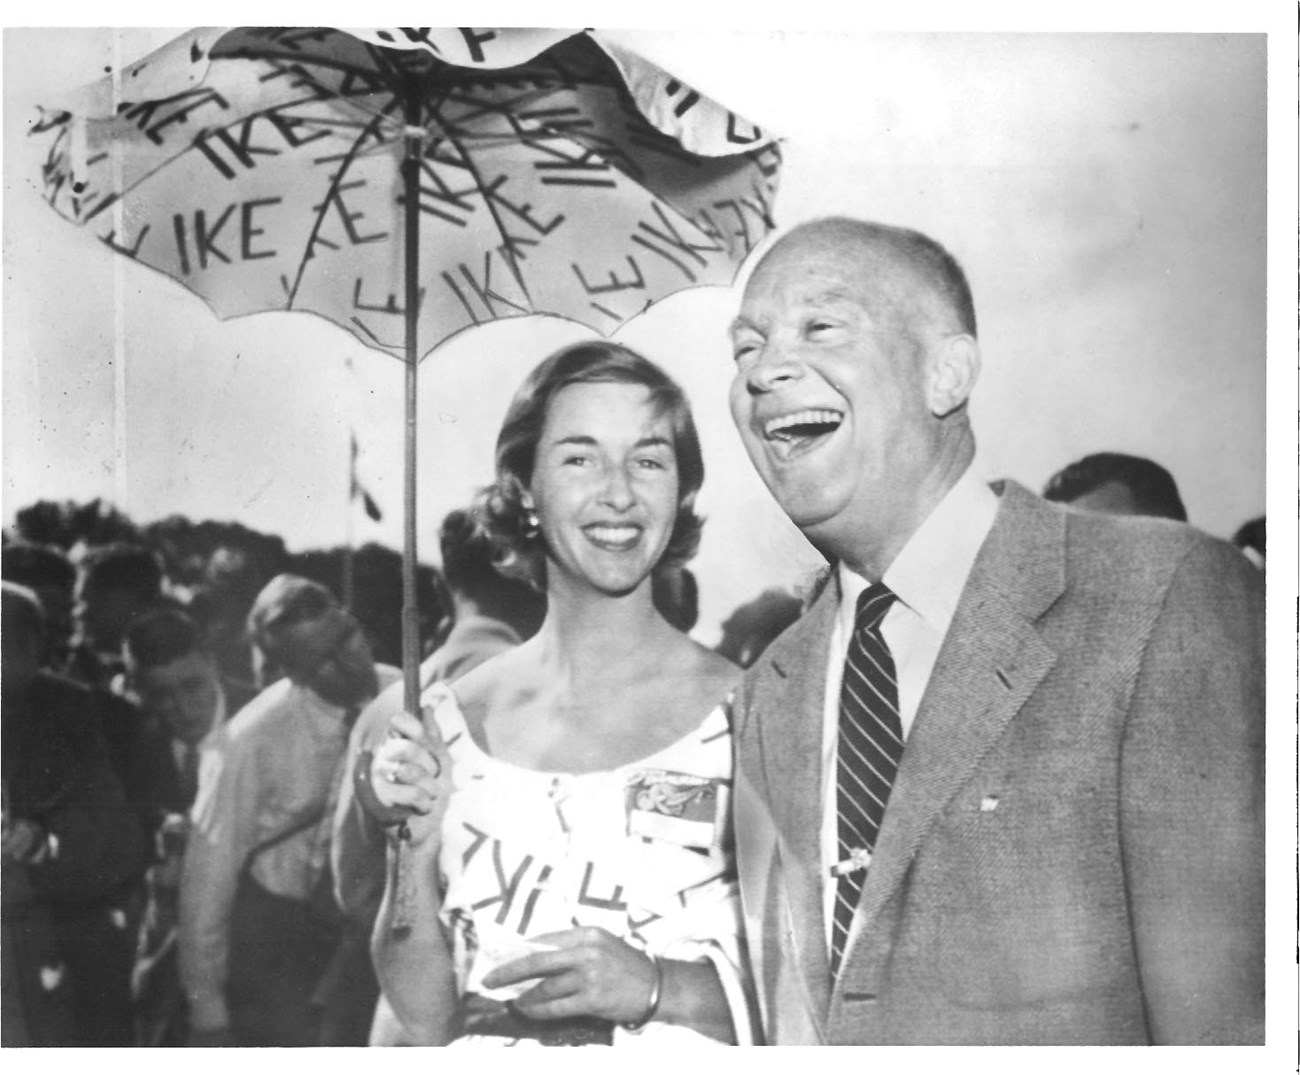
[[184, 700], [1249, 538], [751, 627], [115, 584], [1117, 484], [72, 849], [174, 677], [47, 571], [264, 957]]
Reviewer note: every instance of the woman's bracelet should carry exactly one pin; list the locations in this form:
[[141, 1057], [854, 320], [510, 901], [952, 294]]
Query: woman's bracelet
[[656, 993]]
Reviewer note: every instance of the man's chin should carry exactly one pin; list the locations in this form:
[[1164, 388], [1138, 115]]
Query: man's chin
[[803, 496]]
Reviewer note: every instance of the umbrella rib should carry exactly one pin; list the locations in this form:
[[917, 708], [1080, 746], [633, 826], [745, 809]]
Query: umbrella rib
[[330, 193], [545, 132], [305, 73], [188, 147], [477, 176], [304, 65]]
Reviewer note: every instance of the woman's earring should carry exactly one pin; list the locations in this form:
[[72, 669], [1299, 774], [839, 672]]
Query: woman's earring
[[532, 524]]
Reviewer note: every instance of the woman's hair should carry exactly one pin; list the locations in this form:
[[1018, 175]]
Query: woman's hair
[[500, 507]]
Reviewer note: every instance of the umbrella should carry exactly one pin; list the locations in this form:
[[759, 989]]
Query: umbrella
[[410, 183]]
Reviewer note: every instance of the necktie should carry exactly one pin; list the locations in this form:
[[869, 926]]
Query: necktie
[[869, 748]]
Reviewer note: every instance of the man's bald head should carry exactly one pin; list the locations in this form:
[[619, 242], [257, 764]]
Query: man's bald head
[[915, 274]]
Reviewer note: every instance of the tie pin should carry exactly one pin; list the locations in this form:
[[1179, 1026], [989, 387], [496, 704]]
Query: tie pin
[[859, 859]]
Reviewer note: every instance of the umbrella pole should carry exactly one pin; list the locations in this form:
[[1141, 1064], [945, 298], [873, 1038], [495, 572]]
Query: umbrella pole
[[410, 607], [348, 579], [403, 881]]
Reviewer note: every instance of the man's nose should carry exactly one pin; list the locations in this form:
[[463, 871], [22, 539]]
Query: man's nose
[[775, 364]]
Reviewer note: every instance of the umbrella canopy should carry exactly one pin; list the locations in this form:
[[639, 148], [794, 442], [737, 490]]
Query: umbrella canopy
[[408, 184], [555, 175]]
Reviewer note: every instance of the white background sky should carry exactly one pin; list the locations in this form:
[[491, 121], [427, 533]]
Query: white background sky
[[1105, 193]]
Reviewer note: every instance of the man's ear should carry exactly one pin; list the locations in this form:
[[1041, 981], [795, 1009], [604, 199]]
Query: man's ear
[[953, 373]]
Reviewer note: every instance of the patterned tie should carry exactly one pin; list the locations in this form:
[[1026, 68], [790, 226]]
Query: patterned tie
[[869, 749]]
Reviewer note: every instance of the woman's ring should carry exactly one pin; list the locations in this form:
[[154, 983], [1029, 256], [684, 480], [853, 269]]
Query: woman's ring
[[391, 775]]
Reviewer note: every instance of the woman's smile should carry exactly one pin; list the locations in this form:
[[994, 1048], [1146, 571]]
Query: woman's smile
[[615, 537], [605, 484]]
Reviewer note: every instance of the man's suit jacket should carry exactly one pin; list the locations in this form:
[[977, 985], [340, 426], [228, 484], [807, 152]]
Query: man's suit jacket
[[1072, 851]]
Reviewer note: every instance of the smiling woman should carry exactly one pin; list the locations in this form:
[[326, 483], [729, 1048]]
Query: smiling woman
[[534, 429], [591, 765], [604, 487]]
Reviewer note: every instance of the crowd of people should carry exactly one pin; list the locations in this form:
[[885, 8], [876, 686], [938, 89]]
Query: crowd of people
[[144, 913], [996, 778]]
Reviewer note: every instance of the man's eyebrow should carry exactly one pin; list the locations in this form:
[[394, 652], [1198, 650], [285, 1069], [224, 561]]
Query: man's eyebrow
[[655, 441], [814, 299]]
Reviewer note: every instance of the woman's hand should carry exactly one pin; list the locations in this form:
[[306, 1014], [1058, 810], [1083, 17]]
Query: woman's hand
[[411, 769], [588, 972]]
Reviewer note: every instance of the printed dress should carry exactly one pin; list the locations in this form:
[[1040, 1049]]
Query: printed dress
[[643, 851]]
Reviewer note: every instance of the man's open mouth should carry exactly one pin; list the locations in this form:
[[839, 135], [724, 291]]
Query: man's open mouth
[[794, 433]]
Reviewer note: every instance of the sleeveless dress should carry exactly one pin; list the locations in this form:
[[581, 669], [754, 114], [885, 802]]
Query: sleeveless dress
[[643, 850]]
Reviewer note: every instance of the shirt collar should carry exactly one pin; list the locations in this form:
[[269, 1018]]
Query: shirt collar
[[930, 571]]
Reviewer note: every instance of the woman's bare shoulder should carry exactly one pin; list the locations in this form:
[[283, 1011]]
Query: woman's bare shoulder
[[715, 676], [477, 691]]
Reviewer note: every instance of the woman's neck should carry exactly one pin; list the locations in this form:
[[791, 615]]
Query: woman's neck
[[590, 637]]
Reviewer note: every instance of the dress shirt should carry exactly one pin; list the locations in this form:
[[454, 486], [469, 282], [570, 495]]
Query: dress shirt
[[928, 577], [268, 769]]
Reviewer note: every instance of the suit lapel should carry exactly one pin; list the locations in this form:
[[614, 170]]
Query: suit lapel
[[791, 706], [991, 661]]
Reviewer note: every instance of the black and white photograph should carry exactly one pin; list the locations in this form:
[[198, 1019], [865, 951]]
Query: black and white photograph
[[709, 534]]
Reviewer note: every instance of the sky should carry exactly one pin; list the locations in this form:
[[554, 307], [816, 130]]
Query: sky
[[1105, 192]]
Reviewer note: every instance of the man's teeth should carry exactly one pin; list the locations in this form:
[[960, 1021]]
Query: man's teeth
[[785, 426]]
